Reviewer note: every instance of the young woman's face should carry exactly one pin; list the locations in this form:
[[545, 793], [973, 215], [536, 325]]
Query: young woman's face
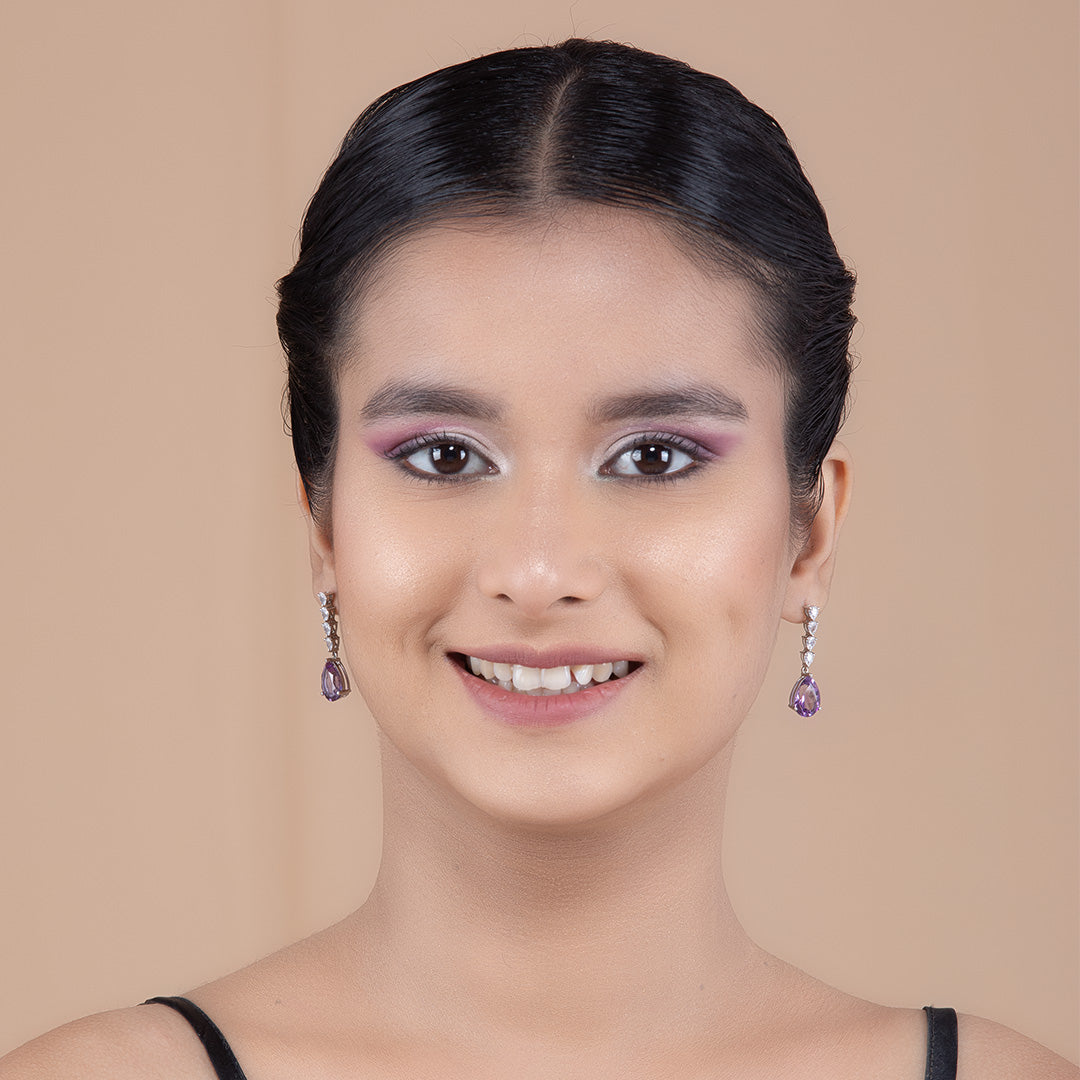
[[561, 446]]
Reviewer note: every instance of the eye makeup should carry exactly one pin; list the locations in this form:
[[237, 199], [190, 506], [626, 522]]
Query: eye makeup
[[663, 456], [450, 457], [389, 441], [688, 448], [709, 443]]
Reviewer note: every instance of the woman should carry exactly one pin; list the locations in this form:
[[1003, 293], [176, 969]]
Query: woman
[[568, 353]]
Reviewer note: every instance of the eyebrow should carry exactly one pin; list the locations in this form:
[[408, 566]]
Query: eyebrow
[[399, 398], [403, 398], [691, 400]]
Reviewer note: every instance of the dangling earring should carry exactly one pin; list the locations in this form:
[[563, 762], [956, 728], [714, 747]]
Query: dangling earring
[[335, 680], [805, 696]]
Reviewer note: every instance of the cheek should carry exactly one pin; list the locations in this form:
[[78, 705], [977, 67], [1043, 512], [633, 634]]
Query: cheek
[[398, 562], [713, 582], [724, 553]]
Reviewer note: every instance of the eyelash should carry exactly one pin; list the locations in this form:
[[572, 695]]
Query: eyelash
[[434, 438], [698, 455]]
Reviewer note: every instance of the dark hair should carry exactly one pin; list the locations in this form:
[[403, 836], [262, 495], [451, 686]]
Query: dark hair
[[584, 121]]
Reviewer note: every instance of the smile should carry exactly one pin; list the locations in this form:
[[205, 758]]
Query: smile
[[545, 681]]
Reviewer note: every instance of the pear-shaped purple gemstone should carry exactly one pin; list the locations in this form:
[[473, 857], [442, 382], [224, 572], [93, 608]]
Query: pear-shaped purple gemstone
[[805, 696], [335, 682]]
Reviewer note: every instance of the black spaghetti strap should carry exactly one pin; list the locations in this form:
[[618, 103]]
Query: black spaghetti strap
[[217, 1048], [941, 1043], [941, 1040]]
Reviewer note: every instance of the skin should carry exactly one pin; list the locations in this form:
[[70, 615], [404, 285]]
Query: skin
[[691, 576], [551, 900]]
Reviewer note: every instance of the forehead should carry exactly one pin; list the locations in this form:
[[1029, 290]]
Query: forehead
[[581, 292]]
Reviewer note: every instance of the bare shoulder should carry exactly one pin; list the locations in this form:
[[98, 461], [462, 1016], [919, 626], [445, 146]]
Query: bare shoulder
[[990, 1051], [149, 1042]]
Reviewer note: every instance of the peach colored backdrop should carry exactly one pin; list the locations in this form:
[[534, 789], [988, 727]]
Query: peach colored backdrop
[[176, 799]]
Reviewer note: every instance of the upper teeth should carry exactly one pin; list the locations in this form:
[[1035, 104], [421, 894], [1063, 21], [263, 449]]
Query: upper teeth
[[555, 680]]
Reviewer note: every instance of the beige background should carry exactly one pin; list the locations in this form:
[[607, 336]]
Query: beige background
[[175, 798]]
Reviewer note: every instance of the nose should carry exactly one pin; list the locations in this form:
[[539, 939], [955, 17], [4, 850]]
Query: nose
[[542, 552]]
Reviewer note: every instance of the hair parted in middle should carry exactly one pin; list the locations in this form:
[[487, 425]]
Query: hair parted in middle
[[522, 132]]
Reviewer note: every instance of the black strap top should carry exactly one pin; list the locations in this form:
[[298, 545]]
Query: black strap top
[[217, 1047], [941, 1043], [940, 1040]]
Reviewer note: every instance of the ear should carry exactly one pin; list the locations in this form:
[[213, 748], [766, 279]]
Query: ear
[[811, 573], [320, 548]]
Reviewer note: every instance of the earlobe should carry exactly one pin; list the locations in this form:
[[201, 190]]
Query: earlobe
[[320, 549], [811, 573]]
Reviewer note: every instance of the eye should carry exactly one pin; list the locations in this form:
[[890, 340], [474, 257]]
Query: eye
[[652, 458], [442, 456]]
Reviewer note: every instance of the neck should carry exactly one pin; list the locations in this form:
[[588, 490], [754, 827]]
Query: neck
[[575, 934]]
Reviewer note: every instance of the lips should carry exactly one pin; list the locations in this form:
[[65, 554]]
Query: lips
[[542, 693], [525, 678]]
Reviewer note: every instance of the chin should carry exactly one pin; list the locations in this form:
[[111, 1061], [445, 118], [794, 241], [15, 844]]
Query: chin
[[559, 798], [598, 773], [561, 816]]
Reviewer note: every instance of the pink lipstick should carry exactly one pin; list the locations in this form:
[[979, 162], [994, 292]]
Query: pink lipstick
[[539, 710]]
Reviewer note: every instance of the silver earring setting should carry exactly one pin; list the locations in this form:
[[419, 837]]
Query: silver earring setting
[[335, 680], [805, 695]]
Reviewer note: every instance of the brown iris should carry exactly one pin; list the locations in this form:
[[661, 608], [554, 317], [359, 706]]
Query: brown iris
[[449, 458], [652, 458]]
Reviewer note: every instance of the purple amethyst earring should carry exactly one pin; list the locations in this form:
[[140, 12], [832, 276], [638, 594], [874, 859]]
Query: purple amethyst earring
[[335, 680], [805, 696]]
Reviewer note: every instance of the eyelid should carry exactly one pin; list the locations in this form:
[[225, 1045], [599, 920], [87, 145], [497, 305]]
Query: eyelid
[[693, 449], [398, 453], [682, 442]]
